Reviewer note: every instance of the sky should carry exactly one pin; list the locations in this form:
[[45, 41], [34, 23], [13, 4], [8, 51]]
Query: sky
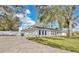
[[32, 17], [77, 20], [33, 10]]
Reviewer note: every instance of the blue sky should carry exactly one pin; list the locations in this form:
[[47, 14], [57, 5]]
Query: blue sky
[[77, 20], [33, 10]]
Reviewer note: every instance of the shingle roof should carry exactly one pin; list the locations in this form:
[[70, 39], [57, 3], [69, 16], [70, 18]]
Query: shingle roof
[[33, 28], [44, 28]]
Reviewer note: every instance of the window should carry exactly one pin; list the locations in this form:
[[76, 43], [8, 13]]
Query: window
[[45, 32], [39, 32], [57, 32], [42, 32]]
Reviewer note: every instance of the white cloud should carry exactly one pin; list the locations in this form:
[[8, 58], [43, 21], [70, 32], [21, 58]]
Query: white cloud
[[76, 28], [27, 21], [28, 11]]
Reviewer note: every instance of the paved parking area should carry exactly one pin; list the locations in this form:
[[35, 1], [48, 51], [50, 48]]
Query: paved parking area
[[19, 44]]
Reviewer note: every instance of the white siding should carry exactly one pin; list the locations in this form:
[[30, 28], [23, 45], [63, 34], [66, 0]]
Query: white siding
[[35, 33]]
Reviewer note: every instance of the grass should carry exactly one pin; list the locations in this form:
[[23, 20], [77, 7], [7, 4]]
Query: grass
[[70, 44]]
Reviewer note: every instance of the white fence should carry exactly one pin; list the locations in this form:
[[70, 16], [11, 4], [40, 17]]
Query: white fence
[[9, 33]]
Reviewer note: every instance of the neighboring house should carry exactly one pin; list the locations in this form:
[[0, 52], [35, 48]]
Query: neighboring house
[[37, 31]]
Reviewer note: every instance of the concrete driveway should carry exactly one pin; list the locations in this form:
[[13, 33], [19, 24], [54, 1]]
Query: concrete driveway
[[18, 44]]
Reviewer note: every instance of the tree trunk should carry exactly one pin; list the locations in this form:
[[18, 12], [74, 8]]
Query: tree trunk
[[70, 28]]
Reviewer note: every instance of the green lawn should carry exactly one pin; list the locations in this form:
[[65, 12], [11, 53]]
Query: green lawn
[[71, 44]]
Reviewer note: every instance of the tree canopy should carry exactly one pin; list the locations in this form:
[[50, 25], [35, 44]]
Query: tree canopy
[[63, 14]]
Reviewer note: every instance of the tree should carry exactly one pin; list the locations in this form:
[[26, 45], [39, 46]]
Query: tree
[[7, 21], [50, 14], [63, 14], [68, 13]]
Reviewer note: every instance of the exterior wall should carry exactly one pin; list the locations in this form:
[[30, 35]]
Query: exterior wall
[[48, 33], [31, 34], [51, 33], [35, 33]]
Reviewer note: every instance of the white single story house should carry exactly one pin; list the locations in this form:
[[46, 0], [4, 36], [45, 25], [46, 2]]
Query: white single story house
[[37, 31]]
